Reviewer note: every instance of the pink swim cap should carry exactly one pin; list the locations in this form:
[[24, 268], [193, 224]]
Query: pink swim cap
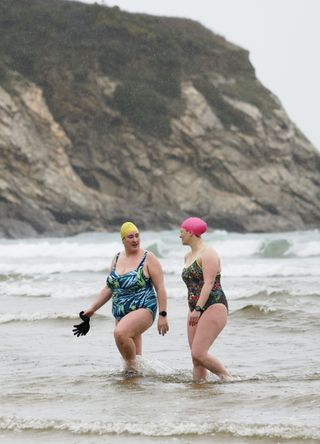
[[194, 225]]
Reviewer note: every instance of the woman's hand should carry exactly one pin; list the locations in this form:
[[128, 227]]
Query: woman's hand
[[194, 318], [88, 313], [103, 297], [163, 326], [82, 328]]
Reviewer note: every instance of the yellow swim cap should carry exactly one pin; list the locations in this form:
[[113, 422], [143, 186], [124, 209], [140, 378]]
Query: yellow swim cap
[[126, 228]]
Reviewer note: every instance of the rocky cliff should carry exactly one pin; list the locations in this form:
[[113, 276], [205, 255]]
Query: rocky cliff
[[106, 115]]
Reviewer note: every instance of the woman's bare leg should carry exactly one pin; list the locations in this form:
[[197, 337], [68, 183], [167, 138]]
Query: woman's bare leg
[[210, 324], [199, 372], [127, 333], [138, 343]]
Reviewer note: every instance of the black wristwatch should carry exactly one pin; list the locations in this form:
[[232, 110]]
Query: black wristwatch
[[198, 308], [163, 313]]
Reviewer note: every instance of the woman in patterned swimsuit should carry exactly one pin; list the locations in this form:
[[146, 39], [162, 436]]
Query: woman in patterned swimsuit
[[208, 307], [136, 286]]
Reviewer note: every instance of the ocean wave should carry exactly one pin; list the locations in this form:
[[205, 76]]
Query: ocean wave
[[288, 246], [58, 248], [97, 245], [274, 248], [37, 316], [282, 248], [265, 295], [272, 378], [232, 247], [162, 428], [256, 309], [158, 248], [4, 277], [46, 289], [40, 267], [313, 376], [94, 254], [309, 400], [259, 268], [306, 249], [305, 318]]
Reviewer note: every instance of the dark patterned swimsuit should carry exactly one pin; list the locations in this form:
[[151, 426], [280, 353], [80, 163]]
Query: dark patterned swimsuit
[[193, 278]]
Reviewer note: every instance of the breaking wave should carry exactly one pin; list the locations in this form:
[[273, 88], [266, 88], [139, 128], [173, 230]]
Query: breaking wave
[[256, 309], [31, 317], [274, 248], [161, 428]]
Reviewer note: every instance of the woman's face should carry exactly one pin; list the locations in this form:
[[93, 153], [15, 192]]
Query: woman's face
[[132, 241], [185, 236]]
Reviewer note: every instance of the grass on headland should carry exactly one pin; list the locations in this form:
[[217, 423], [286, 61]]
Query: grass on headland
[[54, 42]]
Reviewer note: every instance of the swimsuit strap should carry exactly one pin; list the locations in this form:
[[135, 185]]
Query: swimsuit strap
[[140, 263], [200, 266], [115, 262], [142, 260]]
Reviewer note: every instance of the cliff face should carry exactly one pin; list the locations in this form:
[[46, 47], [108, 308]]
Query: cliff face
[[140, 117]]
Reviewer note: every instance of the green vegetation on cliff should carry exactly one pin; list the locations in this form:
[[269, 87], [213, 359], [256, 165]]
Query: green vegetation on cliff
[[59, 43]]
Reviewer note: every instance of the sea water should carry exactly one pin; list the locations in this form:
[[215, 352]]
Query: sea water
[[56, 387]]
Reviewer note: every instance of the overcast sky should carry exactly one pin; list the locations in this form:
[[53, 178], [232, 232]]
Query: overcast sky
[[282, 36]]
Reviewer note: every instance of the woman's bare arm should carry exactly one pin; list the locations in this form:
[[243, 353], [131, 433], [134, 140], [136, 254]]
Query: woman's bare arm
[[103, 297], [210, 265], [156, 274]]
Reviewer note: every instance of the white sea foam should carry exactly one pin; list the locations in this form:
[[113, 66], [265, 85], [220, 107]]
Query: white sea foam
[[162, 428], [306, 249], [58, 249], [56, 255], [36, 316], [54, 289], [236, 247], [304, 244], [29, 317], [94, 252], [272, 268], [148, 367], [34, 267]]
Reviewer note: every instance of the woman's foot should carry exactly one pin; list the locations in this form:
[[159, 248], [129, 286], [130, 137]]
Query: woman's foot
[[131, 366], [225, 377]]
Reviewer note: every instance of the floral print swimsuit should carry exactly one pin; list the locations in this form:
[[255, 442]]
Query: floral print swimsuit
[[193, 278], [131, 291]]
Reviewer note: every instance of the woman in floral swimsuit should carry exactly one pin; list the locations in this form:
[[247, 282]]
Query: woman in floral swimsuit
[[208, 306]]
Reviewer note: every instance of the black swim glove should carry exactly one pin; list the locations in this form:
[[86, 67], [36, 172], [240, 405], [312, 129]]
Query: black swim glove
[[82, 328]]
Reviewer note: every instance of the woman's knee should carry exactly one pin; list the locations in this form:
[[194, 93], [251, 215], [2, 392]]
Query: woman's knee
[[120, 335], [198, 356]]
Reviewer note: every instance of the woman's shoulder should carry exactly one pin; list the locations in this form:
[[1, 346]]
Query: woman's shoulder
[[150, 256], [208, 253], [152, 261], [115, 259]]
